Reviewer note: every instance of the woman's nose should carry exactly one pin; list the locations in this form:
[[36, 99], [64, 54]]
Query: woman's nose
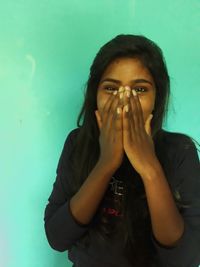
[[124, 93]]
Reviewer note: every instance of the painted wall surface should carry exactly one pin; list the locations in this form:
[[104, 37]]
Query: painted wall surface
[[46, 49]]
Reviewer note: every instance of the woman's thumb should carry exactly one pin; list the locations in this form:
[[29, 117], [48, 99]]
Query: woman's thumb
[[148, 124], [98, 117]]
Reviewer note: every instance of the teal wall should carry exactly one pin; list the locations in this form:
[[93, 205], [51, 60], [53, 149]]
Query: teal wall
[[46, 48]]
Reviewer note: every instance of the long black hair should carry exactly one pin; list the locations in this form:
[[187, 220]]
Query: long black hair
[[136, 224]]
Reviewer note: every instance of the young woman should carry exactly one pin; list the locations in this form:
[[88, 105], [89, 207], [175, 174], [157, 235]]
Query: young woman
[[127, 192]]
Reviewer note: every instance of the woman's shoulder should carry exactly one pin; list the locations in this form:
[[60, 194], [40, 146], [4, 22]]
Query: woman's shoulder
[[177, 139], [173, 145], [70, 140], [174, 148], [72, 135]]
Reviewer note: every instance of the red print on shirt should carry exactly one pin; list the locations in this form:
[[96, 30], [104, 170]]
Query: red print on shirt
[[112, 211]]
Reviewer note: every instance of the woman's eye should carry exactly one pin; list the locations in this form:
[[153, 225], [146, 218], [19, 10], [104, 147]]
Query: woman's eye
[[140, 89], [137, 89], [110, 88]]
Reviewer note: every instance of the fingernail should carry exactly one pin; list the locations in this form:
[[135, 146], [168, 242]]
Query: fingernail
[[121, 89], [134, 92], [128, 93], [127, 87], [115, 92], [118, 110], [126, 108]]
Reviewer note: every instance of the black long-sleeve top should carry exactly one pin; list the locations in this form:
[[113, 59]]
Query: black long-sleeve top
[[63, 231]]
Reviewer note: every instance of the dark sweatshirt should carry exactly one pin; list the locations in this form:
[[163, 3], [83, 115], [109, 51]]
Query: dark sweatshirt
[[64, 232]]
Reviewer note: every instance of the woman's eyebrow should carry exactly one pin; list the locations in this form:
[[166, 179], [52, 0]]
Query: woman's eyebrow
[[133, 81]]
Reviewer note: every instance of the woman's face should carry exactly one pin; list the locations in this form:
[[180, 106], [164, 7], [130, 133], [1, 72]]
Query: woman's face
[[127, 72]]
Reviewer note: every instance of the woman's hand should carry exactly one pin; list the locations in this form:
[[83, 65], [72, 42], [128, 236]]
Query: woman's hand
[[137, 140], [110, 139]]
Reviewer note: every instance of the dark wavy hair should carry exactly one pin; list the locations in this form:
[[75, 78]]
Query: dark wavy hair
[[136, 224]]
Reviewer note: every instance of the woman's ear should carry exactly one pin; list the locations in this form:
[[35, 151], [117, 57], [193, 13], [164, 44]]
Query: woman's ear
[[98, 118]]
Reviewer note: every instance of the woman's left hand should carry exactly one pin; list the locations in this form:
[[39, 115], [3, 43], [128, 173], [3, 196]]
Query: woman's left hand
[[137, 139]]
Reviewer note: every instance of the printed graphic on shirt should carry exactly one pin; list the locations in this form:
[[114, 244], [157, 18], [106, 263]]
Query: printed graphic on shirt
[[115, 193]]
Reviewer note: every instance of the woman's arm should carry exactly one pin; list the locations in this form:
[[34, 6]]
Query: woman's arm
[[166, 219], [167, 222], [85, 202], [66, 220]]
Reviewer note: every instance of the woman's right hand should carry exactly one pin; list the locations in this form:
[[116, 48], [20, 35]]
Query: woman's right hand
[[111, 133]]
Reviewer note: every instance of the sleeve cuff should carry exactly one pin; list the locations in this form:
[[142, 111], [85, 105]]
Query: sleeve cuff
[[63, 228], [184, 253]]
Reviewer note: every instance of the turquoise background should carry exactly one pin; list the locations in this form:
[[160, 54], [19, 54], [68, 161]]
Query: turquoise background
[[46, 49]]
